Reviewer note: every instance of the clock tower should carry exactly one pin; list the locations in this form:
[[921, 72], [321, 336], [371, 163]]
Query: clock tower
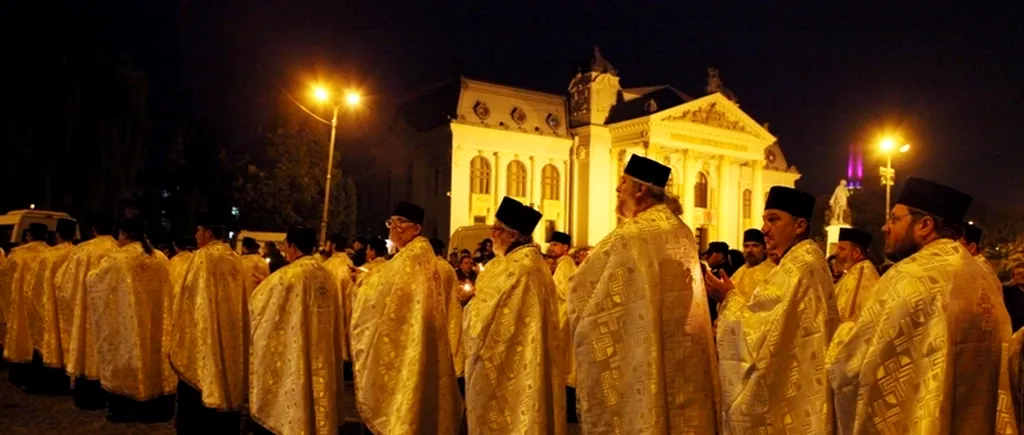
[[593, 91]]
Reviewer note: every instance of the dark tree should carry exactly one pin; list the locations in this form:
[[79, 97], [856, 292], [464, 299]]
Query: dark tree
[[285, 186]]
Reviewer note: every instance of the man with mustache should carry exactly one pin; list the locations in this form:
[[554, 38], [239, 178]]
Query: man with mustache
[[755, 269], [853, 291], [927, 355], [770, 344]]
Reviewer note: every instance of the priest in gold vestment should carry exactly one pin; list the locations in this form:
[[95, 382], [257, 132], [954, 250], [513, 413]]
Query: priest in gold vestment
[[295, 376], [404, 373], [929, 354], [453, 307], [130, 303], [771, 345], [639, 322], [340, 266], [971, 241], [16, 281], [755, 267], [208, 343], [43, 319], [559, 247], [515, 343], [178, 266], [855, 289], [78, 334]]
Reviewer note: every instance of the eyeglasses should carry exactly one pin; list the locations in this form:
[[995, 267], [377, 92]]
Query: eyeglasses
[[894, 218], [498, 230], [395, 223]]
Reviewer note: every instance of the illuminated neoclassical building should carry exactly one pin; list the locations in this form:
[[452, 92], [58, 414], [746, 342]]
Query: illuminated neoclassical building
[[458, 149]]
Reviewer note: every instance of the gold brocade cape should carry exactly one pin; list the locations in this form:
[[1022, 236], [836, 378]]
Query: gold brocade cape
[[771, 349], [129, 305], [43, 320], [453, 312], [178, 266], [78, 335], [638, 315], [985, 264], [340, 267], [515, 348], [854, 289], [296, 367], [1017, 377], [929, 354], [404, 374], [16, 280], [747, 278], [208, 346], [564, 269]]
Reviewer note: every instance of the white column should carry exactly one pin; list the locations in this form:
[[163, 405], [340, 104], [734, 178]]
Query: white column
[[563, 184], [722, 222], [757, 200], [675, 161], [532, 186], [689, 179], [499, 182], [461, 198]]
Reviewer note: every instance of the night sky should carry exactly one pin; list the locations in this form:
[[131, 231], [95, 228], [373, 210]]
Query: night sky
[[949, 81]]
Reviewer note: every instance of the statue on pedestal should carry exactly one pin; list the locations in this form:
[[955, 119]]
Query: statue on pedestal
[[839, 205]]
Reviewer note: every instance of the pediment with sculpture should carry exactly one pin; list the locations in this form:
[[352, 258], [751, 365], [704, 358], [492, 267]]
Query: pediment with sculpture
[[717, 113]]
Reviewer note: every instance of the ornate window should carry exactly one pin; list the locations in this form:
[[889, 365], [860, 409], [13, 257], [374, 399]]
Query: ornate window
[[480, 175], [550, 182], [746, 204], [700, 191], [516, 179]]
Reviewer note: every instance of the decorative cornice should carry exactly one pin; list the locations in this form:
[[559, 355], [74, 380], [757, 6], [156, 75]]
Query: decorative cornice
[[711, 115]]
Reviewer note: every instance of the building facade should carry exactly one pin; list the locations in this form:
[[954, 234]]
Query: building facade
[[461, 147]]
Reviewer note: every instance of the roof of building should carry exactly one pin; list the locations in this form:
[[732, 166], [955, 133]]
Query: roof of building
[[663, 97]]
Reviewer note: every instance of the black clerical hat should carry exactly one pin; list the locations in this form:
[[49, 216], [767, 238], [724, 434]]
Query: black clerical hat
[[133, 227], [795, 202], [560, 237], [717, 247], [410, 211], [517, 216], [66, 228], [302, 238], [249, 243], [211, 218], [647, 170], [935, 199], [972, 233], [753, 235], [859, 237]]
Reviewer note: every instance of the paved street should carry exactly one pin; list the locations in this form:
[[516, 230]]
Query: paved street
[[24, 414]]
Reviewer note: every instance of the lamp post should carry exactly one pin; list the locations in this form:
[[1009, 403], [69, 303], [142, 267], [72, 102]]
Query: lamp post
[[887, 173], [351, 99]]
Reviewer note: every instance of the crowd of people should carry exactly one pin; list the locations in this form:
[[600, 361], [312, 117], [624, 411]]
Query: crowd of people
[[642, 333]]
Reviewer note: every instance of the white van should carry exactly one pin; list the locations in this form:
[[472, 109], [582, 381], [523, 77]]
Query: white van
[[468, 237], [261, 238], [14, 224]]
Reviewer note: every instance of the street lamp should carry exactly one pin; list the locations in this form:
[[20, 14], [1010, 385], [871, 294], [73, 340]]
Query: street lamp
[[888, 146], [352, 99]]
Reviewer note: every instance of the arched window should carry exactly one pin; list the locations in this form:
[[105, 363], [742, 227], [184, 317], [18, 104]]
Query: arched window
[[550, 182], [480, 175], [516, 179], [746, 204], [700, 191]]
